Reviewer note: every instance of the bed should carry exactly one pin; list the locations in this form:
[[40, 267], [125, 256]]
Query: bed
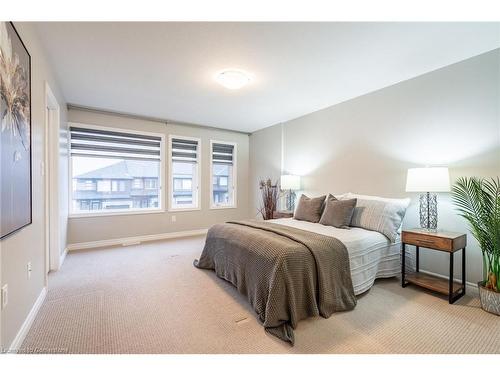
[[371, 254], [292, 269]]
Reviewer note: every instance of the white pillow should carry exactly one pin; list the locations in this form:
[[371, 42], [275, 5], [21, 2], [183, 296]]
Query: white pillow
[[340, 196], [398, 201], [383, 215]]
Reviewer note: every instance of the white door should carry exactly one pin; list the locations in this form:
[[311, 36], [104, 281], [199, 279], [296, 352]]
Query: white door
[[51, 168]]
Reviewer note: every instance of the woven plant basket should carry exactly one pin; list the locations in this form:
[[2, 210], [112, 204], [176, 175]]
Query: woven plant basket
[[490, 300]]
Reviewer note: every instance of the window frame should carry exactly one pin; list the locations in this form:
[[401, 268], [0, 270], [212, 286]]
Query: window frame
[[131, 211], [170, 190], [235, 177]]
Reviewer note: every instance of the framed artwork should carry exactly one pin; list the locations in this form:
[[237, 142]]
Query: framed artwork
[[15, 132]]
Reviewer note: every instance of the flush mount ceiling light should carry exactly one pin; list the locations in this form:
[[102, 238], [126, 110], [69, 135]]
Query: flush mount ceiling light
[[232, 79]]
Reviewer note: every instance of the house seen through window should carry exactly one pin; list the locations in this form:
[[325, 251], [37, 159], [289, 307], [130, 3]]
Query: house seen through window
[[114, 171], [223, 174], [185, 157]]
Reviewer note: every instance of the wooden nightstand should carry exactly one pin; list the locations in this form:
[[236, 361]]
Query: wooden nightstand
[[282, 214], [441, 241]]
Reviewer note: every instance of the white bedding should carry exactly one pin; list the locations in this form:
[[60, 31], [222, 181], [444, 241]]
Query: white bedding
[[371, 254]]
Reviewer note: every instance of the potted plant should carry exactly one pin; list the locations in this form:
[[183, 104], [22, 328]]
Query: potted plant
[[269, 194], [478, 201]]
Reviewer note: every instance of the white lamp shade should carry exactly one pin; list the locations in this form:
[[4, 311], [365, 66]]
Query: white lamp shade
[[290, 182], [432, 179]]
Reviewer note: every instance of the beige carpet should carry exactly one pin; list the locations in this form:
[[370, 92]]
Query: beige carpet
[[150, 299]]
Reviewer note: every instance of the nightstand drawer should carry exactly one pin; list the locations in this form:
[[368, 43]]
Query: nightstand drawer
[[427, 241], [433, 242]]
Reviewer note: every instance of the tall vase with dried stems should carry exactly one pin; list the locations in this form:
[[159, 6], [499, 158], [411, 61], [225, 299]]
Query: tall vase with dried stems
[[269, 194]]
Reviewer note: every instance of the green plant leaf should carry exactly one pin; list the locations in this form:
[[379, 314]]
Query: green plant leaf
[[478, 202]]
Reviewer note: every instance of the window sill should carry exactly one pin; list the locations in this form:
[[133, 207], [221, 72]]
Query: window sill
[[184, 209], [222, 207], [115, 213]]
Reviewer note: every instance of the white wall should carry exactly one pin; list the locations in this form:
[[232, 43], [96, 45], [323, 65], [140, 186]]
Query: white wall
[[265, 162], [27, 245], [87, 229], [365, 145]]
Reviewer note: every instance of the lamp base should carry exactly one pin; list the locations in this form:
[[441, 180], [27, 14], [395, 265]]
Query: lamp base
[[428, 211], [290, 201]]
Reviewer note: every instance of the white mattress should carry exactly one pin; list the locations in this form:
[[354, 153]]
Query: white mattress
[[371, 254]]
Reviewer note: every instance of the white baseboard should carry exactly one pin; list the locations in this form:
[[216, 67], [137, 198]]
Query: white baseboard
[[23, 331], [135, 240]]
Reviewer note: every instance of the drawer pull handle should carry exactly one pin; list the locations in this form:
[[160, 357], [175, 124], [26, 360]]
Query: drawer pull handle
[[426, 242]]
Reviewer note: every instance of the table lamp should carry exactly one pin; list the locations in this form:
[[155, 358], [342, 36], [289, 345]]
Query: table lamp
[[428, 181], [290, 182]]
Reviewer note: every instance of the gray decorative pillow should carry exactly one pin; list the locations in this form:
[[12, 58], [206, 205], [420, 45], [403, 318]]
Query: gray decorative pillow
[[338, 213], [379, 214], [309, 209]]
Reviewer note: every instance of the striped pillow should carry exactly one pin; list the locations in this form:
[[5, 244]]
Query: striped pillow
[[382, 215]]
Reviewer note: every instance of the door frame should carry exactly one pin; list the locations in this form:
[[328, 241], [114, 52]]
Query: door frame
[[51, 171]]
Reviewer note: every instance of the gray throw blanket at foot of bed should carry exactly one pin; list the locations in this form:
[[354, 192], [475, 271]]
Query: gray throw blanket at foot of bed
[[286, 273]]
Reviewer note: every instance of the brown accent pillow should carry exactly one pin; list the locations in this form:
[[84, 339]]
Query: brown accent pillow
[[309, 209], [330, 197], [338, 213]]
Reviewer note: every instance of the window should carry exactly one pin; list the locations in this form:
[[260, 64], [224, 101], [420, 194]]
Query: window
[[117, 186], [150, 183], [223, 174], [223, 181], [114, 170], [137, 184], [103, 186], [84, 185], [184, 173], [183, 184]]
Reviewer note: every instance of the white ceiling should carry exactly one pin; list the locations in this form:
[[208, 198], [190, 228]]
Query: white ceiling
[[166, 70]]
